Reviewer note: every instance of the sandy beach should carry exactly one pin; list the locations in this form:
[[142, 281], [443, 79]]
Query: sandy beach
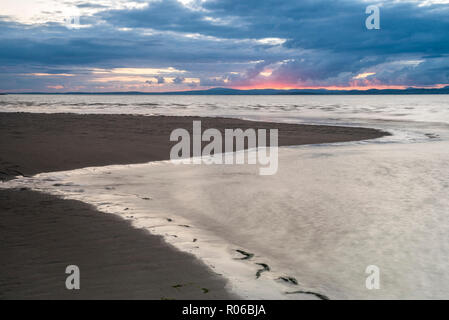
[[33, 143], [41, 234]]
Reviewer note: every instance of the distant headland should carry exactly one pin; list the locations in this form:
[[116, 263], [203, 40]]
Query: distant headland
[[230, 91]]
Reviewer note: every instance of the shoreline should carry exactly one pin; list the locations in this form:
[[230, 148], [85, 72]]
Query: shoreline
[[42, 234], [35, 143]]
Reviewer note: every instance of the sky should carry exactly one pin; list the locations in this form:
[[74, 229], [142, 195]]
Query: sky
[[175, 45]]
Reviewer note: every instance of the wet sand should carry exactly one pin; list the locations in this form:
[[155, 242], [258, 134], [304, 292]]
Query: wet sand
[[41, 234], [33, 143]]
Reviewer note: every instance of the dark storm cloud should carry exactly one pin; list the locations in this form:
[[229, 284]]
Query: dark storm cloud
[[309, 24]]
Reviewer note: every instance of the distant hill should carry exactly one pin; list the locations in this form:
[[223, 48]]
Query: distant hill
[[228, 91]]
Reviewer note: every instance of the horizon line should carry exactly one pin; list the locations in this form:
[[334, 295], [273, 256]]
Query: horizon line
[[286, 90]]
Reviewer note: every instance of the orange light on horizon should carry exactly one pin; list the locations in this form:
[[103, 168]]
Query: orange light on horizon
[[342, 88]]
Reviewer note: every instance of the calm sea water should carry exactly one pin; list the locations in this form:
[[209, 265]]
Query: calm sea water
[[328, 213], [429, 108]]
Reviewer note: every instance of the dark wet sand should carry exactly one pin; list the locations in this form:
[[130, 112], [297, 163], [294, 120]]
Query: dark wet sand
[[33, 143], [40, 234]]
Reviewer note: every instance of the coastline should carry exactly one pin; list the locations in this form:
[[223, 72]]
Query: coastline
[[35, 143], [43, 234]]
